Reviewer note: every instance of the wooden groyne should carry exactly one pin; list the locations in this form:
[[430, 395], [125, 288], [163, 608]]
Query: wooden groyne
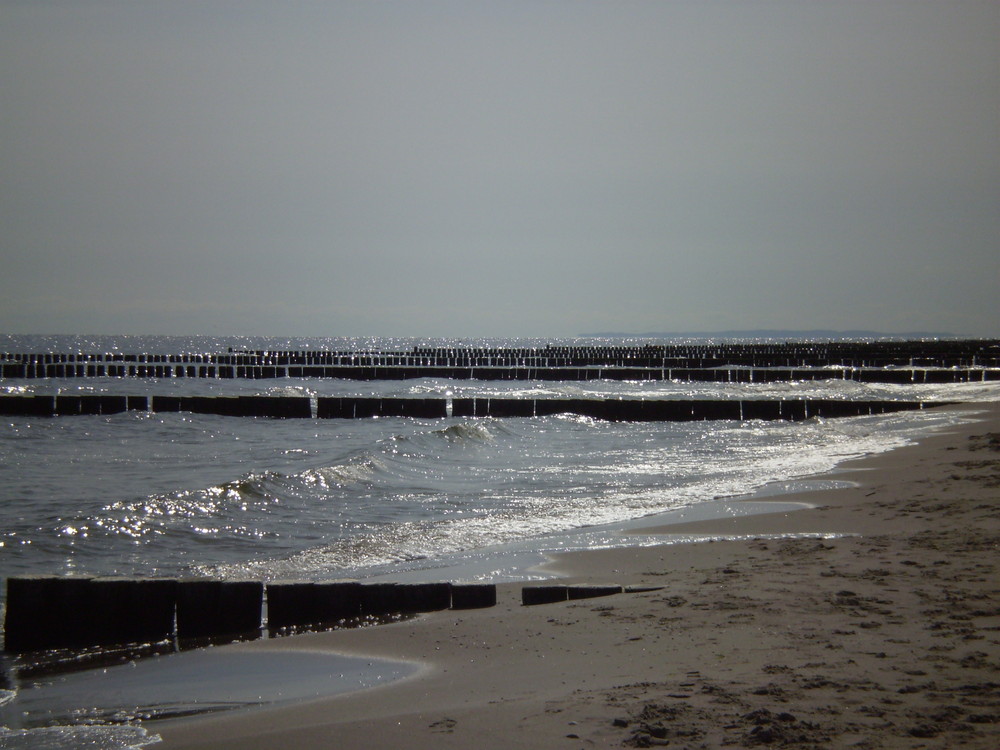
[[890, 362], [722, 374], [77, 612], [298, 407]]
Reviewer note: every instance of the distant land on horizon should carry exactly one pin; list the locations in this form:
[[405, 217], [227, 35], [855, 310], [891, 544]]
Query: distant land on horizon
[[776, 334]]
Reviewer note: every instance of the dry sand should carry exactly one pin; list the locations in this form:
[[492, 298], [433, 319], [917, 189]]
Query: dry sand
[[885, 636]]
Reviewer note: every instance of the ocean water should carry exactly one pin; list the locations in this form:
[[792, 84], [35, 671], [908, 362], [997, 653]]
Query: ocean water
[[167, 494], [144, 494]]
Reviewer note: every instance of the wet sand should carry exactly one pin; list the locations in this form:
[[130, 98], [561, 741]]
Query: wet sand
[[876, 625]]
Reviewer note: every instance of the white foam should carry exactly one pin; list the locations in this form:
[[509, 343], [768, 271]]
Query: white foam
[[77, 738]]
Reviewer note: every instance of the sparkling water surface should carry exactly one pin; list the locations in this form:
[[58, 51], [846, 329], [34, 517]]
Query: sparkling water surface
[[142, 494], [139, 494]]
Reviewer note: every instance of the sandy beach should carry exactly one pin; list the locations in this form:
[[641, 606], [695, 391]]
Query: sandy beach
[[869, 621]]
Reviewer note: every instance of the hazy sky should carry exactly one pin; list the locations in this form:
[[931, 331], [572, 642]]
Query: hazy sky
[[470, 168]]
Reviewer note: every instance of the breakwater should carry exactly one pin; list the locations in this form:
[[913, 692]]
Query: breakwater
[[298, 407], [75, 612], [885, 362]]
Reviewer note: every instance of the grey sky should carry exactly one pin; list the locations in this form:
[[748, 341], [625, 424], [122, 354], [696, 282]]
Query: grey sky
[[498, 168]]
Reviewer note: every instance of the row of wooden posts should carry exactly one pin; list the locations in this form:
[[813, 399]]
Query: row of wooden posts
[[905, 375], [620, 410], [50, 612], [913, 353], [72, 612]]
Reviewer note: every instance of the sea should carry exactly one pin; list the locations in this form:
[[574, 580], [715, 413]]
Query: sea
[[143, 494]]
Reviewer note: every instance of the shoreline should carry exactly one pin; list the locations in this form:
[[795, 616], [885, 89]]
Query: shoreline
[[523, 560], [884, 635]]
